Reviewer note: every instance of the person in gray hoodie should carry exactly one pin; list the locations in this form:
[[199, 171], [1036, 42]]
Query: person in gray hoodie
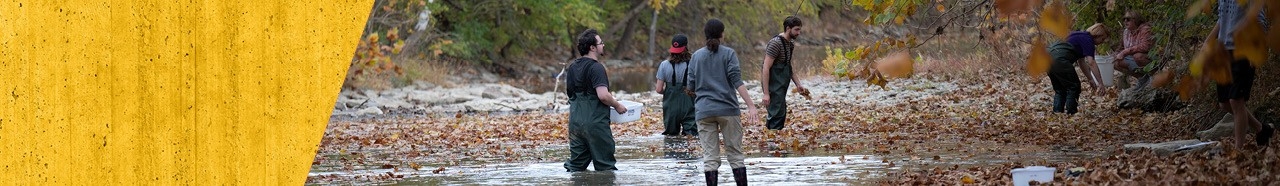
[[713, 78]]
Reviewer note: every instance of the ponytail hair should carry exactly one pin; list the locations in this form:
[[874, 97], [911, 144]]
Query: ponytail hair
[[714, 31], [713, 45]]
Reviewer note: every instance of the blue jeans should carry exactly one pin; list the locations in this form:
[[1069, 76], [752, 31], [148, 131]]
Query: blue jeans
[[1133, 64]]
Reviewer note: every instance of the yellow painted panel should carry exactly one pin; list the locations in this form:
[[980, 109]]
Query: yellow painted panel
[[190, 92]]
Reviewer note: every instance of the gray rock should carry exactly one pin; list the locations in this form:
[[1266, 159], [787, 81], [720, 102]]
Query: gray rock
[[385, 102], [1224, 129], [1166, 148], [1149, 99], [369, 111]]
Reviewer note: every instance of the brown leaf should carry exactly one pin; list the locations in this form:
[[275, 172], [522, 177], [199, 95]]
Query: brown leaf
[[1187, 86], [897, 65], [1010, 7], [1163, 78]]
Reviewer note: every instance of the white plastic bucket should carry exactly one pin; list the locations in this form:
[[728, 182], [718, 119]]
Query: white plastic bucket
[[633, 112], [1024, 176], [1107, 68]]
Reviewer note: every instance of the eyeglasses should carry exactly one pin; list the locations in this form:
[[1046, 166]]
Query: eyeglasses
[[601, 43]]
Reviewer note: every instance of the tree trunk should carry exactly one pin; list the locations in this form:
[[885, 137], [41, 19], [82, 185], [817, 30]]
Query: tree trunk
[[623, 43], [653, 37]]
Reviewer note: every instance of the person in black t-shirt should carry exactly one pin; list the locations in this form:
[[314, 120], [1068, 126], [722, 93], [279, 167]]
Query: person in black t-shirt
[[587, 85]]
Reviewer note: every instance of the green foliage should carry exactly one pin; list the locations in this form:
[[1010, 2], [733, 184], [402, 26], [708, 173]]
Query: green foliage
[[501, 27], [1173, 34], [744, 17], [883, 11]]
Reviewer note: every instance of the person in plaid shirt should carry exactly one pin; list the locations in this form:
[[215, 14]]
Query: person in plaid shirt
[[1137, 42]]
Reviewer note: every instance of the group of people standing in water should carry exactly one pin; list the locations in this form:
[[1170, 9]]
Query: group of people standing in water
[[701, 91]]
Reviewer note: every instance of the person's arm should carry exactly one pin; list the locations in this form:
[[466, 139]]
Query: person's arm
[[690, 82], [659, 83], [796, 81], [658, 86], [769, 51], [1213, 35], [600, 79], [602, 92], [751, 108], [1090, 68], [735, 79], [764, 77], [1141, 45]]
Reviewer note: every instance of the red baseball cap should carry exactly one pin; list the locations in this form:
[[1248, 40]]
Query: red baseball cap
[[678, 44]]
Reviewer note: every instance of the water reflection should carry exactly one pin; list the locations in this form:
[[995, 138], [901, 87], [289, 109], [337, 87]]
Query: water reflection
[[593, 178], [679, 147]]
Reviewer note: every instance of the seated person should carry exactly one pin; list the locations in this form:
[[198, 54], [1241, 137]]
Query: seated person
[[1137, 38]]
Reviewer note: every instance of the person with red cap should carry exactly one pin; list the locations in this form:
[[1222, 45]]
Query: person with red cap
[[677, 107]]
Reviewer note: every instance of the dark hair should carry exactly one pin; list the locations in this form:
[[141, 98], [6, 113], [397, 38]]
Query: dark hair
[[714, 30], [677, 58], [586, 40], [791, 22]]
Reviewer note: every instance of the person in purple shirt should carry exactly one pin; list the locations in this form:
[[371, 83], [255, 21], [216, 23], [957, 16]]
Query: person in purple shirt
[[1079, 46]]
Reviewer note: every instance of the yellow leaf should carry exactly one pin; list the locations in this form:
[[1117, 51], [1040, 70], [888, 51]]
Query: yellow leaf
[[877, 48], [1039, 60], [1055, 20], [1212, 61], [877, 79], [897, 65], [1250, 41], [899, 19], [967, 180], [397, 47], [393, 34], [941, 8], [1201, 6]]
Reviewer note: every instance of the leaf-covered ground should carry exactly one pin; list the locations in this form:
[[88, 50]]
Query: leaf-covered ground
[[973, 132]]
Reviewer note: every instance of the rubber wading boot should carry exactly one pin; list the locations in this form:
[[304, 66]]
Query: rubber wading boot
[[740, 176]]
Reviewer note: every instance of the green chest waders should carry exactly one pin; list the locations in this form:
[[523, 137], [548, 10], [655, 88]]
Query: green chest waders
[[779, 81], [590, 139], [677, 107]]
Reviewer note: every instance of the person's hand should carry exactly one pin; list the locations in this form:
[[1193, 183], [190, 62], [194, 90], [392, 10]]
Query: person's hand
[[752, 117], [765, 101], [688, 92], [620, 109]]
